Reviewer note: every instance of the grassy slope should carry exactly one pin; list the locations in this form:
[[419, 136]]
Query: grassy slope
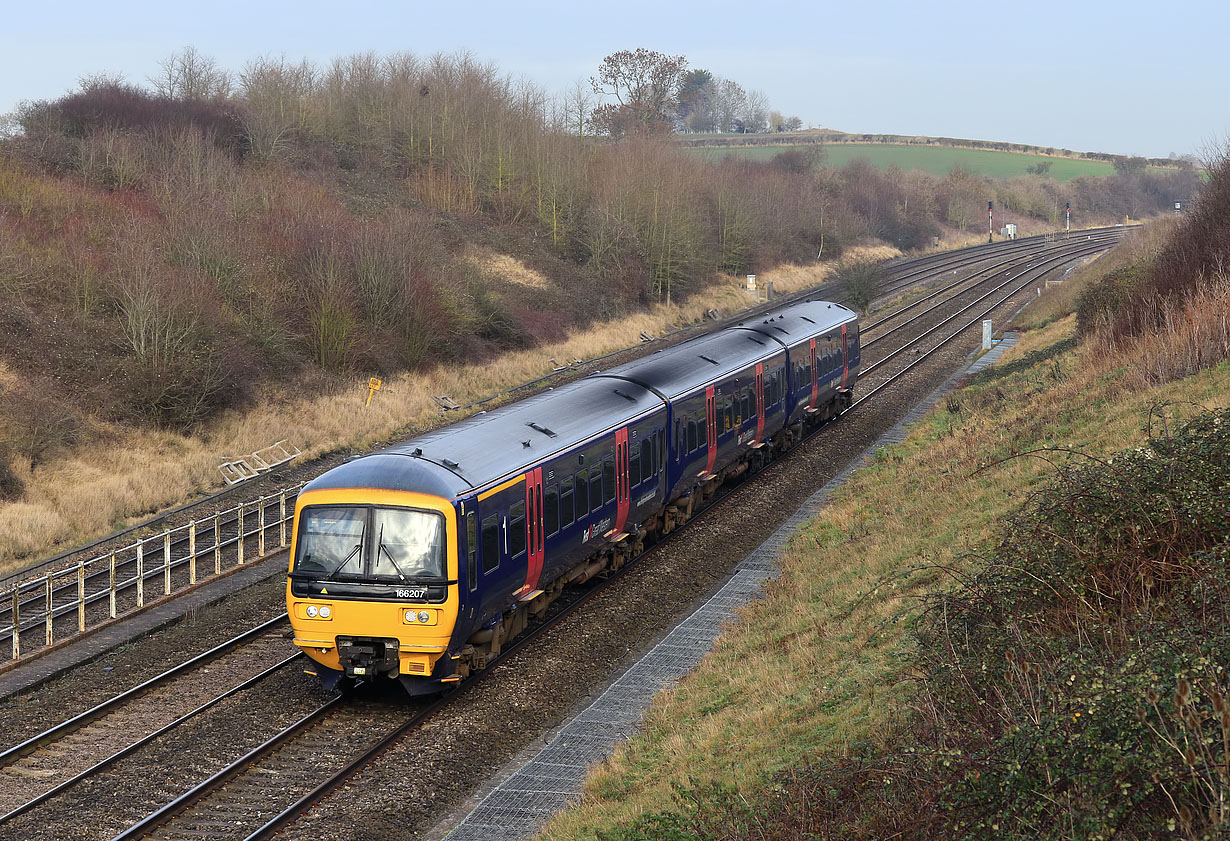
[[934, 159], [822, 662]]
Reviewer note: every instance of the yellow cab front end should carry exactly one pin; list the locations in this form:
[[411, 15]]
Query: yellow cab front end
[[372, 586]]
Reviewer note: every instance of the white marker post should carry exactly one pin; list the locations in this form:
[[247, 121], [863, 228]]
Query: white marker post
[[986, 334]]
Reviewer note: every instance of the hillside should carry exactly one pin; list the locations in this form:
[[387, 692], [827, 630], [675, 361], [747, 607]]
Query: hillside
[[1012, 625], [179, 268]]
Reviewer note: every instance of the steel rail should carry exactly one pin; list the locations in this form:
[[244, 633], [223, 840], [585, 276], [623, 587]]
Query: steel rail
[[78, 721], [972, 322], [146, 739]]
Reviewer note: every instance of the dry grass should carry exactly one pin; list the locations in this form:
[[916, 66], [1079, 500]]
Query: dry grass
[[509, 268], [126, 474], [791, 277], [1195, 334], [822, 662]]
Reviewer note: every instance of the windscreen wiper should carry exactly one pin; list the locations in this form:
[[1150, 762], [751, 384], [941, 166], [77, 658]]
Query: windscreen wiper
[[382, 548]]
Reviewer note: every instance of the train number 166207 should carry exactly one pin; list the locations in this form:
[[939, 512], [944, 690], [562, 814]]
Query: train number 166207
[[411, 592]]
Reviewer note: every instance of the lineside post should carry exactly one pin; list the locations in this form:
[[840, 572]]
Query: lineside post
[[50, 612], [166, 562], [217, 544], [81, 596], [192, 551], [140, 573], [260, 540], [239, 538], [112, 587], [16, 613], [282, 518]]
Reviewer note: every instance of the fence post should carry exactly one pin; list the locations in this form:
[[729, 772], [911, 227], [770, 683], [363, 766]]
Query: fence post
[[166, 562], [260, 541], [239, 538], [140, 573], [192, 551], [282, 518], [217, 544], [81, 596], [50, 612], [16, 621], [112, 611]]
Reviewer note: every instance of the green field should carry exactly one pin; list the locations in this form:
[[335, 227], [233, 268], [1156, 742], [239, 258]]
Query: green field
[[938, 160]]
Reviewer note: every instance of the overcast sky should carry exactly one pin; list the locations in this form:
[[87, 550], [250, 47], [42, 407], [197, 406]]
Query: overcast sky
[[1156, 75]]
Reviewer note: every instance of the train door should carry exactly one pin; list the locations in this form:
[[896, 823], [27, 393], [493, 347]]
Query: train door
[[845, 356], [534, 537], [759, 401], [711, 430], [623, 493], [815, 377]]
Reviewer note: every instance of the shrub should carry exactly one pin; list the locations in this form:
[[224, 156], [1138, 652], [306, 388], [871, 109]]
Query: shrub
[[11, 486]]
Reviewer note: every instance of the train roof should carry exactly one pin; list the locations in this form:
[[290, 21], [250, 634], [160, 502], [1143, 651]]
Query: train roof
[[804, 320], [484, 448], [687, 366]]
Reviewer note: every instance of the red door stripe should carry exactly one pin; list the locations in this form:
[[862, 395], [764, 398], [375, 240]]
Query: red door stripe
[[845, 356], [710, 428], [815, 377], [759, 401], [534, 538], [622, 491]]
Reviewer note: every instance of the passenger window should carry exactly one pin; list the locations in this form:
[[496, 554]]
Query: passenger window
[[608, 478], [491, 542], [516, 529], [691, 444], [634, 467], [745, 408], [550, 511], [472, 549], [595, 488], [565, 503], [582, 495], [647, 464]]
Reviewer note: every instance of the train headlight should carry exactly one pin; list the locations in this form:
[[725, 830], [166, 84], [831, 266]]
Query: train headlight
[[424, 617], [311, 611], [410, 616], [325, 611]]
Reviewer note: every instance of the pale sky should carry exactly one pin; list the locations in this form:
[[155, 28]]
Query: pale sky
[[1122, 77]]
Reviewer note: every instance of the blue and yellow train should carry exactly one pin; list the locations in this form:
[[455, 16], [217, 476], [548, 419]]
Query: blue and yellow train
[[417, 563]]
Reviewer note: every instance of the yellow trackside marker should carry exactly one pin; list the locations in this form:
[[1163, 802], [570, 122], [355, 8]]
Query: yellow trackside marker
[[373, 385]]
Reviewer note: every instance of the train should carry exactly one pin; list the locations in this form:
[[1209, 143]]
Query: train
[[419, 562]]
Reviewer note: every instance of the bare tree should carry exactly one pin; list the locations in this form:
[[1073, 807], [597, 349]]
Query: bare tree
[[729, 104], [755, 113], [644, 84], [190, 75]]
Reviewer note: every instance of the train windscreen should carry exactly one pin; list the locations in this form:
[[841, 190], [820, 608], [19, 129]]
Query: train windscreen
[[369, 543]]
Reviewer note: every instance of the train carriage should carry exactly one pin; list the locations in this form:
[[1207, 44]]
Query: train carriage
[[418, 562]]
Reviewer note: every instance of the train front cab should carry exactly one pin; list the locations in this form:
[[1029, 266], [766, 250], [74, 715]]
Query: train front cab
[[365, 562]]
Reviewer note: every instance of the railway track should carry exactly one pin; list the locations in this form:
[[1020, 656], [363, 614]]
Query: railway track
[[46, 764], [271, 785]]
